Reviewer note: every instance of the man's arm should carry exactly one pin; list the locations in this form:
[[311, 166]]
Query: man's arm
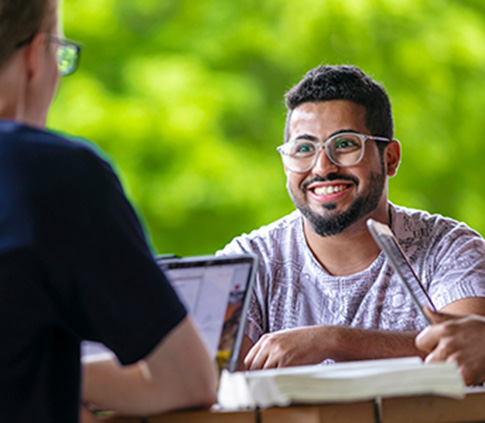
[[178, 373], [473, 305], [311, 345]]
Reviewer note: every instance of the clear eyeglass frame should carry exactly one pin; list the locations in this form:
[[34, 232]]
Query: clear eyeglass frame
[[350, 156]]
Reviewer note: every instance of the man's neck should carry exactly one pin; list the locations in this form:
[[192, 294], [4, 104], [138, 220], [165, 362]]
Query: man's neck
[[349, 252]]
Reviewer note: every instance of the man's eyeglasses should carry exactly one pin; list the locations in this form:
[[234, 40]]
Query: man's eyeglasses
[[344, 149], [67, 53]]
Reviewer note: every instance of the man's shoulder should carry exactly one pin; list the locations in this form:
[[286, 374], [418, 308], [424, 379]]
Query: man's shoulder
[[277, 233], [421, 225]]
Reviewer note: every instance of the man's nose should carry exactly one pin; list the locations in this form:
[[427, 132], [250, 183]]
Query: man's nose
[[323, 164]]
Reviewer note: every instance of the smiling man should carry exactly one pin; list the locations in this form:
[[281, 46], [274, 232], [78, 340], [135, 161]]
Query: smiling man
[[324, 291]]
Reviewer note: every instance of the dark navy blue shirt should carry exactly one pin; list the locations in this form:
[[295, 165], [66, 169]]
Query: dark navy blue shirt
[[74, 265]]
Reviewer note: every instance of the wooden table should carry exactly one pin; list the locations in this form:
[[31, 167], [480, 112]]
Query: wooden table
[[358, 412], [433, 409], [415, 409], [355, 412], [195, 416]]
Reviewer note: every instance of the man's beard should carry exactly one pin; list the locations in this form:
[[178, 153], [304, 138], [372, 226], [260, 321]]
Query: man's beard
[[360, 207]]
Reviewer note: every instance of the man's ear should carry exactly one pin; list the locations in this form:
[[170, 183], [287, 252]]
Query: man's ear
[[35, 55], [393, 157]]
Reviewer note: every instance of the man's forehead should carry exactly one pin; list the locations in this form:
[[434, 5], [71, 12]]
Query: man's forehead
[[332, 116]]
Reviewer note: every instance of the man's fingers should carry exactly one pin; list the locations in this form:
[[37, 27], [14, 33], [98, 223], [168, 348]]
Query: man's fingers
[[428, 339], [248, 360], [438, 354], [256, 357], [265, 354]]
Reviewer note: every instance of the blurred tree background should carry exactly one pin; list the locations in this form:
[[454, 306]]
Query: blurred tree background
[[186, 97]]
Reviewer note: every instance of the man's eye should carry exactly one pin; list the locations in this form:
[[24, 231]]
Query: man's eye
[[344, 143], [304, 148]]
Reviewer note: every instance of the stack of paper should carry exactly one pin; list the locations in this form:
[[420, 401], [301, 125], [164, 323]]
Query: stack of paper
[[351, 381]]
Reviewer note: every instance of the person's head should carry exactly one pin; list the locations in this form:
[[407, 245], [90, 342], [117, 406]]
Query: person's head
[[338, 149], [28, 59], [326, 83], [20, 20]]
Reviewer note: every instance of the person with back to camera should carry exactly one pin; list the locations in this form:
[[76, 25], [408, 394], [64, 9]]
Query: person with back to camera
[[74, 261]]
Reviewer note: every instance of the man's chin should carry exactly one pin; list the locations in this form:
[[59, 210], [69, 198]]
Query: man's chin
[[328, 221]]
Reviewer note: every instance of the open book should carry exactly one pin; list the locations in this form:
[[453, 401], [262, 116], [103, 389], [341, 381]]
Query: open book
[[350, 381]]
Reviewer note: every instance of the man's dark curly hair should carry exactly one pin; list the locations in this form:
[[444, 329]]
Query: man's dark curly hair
[[342, 82]]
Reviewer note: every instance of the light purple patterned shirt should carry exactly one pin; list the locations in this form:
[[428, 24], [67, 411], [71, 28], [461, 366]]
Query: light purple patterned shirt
[[292, 289]]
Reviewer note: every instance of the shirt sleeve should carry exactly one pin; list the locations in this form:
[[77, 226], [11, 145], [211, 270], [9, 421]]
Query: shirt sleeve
[[458, 267], [105, 281]]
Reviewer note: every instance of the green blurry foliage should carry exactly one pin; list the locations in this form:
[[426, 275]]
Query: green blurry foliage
[[186, 97]]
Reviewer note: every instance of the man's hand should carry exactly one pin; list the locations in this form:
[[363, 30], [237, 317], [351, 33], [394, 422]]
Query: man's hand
[[292, 347], [457, 338]]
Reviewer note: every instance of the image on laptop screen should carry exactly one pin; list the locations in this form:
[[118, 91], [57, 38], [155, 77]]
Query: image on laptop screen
[[215, 291]]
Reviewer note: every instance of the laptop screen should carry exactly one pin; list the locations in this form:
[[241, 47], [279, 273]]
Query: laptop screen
[[215, 291]]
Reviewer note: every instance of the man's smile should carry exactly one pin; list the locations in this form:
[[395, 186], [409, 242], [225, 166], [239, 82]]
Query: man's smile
[[330, 188], [325, 192]]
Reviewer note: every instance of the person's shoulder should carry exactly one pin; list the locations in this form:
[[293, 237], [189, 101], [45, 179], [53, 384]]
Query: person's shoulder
[[421, 224], [17, 138], [52, 167], [37, 152], [35, 143], [268, 236]]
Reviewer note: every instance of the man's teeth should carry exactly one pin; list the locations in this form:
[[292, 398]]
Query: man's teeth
[[329, 190]]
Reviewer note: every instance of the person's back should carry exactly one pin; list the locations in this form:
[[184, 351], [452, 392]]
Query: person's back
[[30, 327], [53, 195], [74, 262]]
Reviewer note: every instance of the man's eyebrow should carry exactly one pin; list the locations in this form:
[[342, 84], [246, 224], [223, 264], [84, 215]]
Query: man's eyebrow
[[305, 137], [341, 131], [313, 138]]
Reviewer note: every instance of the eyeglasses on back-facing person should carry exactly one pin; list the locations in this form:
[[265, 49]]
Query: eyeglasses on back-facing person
[[67, 53]]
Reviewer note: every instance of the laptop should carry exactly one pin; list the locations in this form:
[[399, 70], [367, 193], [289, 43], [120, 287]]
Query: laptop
[[215, 291], [388, 243]]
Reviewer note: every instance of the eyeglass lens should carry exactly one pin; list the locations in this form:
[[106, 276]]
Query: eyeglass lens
[[67, 56], [343, 150]]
